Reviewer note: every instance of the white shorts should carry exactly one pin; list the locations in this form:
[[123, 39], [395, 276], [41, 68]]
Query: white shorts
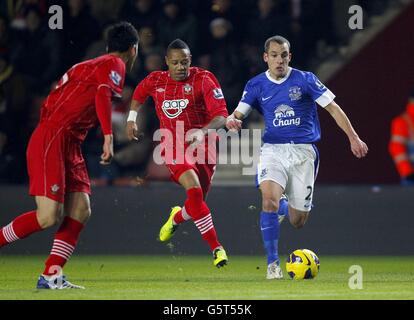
[[294, 167]]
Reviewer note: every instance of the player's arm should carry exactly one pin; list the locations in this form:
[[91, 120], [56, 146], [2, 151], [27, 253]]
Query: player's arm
[[131, 127], [103, 104], [141, 93], [197, 136], [234, 121], [216, 107], [249, 99], [358, 147]]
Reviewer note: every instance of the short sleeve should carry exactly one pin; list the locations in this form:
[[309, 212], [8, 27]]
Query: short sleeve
[[112, 74], [213, 96], [248, 99], [142, 91], [317, 90]]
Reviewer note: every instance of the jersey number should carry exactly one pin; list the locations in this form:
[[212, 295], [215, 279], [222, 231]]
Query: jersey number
[[309, 196]]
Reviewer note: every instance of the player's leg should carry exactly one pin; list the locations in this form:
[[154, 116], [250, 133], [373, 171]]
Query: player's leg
[[301, 185], [272, 178], [77, 213], [269, 226], [201, 215], [178, 214], [47, 214], [46, 184], [297, 218]]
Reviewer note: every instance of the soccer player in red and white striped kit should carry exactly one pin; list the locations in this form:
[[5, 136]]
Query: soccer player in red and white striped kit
[[188, 100], [58, 177]]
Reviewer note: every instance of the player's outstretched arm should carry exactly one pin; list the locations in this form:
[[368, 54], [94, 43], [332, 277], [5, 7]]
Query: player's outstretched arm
[[198, 136], [358, 147], [234, 121], [131, 126]]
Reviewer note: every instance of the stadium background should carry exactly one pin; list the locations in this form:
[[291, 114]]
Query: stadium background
[[359, 206]]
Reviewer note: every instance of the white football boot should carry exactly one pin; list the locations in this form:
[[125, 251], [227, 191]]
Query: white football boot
[[274, 271]]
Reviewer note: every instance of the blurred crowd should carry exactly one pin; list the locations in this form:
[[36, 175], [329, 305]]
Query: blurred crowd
[[225, 36]]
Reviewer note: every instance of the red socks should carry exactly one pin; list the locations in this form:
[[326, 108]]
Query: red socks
[[20, 228], [181, 216], [199, 211], [63, 246]]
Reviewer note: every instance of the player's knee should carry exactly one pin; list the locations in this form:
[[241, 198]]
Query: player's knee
[[298, 223], [82, 214], [49, 219], [270, 205]]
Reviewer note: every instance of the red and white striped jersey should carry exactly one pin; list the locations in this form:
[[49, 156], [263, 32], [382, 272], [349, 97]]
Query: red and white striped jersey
[[72, 103]]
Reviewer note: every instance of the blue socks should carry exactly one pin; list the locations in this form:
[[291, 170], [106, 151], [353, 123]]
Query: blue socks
[[269, 225], [283, 207]]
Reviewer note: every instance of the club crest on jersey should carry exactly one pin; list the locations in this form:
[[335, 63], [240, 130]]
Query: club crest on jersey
[[115, 77], [284, 116], [188, 89], [173, 108], [218, 94], [55, 188], [295, 93]]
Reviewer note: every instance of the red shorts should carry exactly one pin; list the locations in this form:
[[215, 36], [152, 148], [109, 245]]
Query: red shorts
[[205, 171], [55, 164]]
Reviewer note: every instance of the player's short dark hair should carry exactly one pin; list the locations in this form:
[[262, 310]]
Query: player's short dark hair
[[277, 39], [178, 44], [121, 36]]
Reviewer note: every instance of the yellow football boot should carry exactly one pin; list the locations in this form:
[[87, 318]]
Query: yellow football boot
[[220, 257], [168, 229]]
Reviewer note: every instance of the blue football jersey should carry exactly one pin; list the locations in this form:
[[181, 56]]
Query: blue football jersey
[[288, 106]]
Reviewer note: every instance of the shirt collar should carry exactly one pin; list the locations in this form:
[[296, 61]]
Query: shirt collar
[[281, 80]]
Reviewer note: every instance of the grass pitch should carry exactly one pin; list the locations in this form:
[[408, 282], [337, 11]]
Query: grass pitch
[[194, 278]]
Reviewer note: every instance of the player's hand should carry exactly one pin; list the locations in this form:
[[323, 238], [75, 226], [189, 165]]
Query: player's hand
[[108, 150], [359, 148], [195, 138], [132, 130], [233, 124]]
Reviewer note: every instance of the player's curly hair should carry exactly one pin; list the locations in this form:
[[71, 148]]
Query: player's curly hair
[[121, 36]]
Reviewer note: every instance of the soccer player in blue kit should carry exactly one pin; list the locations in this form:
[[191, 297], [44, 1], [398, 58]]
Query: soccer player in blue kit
[[287, 98]]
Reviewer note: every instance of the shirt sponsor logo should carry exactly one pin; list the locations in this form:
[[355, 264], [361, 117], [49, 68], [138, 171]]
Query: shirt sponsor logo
[[218, 94], [295, 93], [173, 108], [285, 116], [115, 77]]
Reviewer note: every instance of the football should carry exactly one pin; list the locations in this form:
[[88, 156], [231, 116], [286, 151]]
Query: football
[[302, 264]]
